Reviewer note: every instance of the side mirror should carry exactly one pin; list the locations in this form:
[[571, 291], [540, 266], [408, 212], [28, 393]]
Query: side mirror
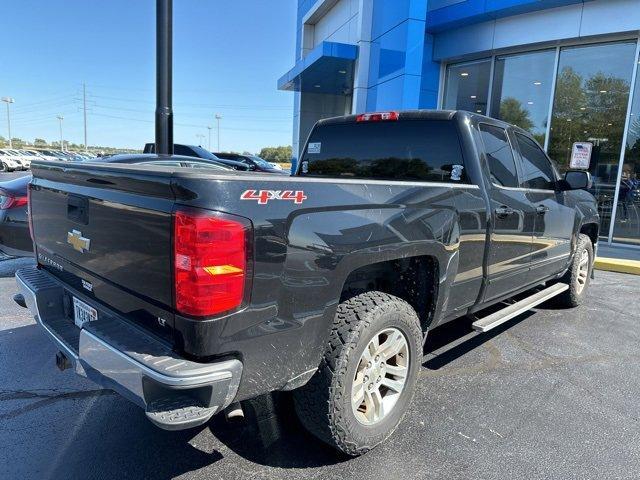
[[576, 180]]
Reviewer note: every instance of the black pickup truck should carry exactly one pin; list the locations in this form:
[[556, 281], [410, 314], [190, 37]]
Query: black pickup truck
[[190, 291]]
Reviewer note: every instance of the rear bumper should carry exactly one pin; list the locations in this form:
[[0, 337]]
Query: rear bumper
[[176, 393]]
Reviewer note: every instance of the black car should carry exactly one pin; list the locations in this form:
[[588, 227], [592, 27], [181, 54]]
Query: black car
[[254, 162], [198, 152], [15, 239]]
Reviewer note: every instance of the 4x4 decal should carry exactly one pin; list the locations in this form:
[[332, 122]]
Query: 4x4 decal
[[263, 196]]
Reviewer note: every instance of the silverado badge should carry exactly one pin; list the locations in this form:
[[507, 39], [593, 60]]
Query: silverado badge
[[77, 241]]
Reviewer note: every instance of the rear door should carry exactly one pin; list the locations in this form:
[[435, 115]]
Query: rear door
[[512, 216], [554, 220]]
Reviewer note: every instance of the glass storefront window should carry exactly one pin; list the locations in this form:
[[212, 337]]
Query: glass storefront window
[[627, 225], [522, 87], [590, 105], [467, 86]]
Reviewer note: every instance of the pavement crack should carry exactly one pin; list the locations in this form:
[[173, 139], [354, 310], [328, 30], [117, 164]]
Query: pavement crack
[[46, 400]]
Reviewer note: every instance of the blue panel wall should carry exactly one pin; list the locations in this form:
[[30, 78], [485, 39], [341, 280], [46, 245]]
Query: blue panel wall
[[402, 74], [457, 14]]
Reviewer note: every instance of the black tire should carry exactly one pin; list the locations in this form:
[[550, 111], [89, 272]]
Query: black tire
[[576, 293], [4, 167], [324, 403]]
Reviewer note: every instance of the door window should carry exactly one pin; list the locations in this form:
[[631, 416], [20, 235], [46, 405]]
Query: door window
[[537, 171], [502, 165]]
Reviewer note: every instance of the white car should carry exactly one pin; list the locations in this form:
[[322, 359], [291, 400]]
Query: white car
[[9, 162], [25, 160], [47, 155]]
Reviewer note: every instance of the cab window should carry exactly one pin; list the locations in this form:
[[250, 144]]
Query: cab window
[[502, 164], [537, 171]]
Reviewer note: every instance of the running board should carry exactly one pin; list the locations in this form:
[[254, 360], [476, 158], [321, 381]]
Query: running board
[[498, 318]]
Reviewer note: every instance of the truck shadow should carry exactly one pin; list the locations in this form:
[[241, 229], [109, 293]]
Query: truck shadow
[[455, 339], [271, 432]]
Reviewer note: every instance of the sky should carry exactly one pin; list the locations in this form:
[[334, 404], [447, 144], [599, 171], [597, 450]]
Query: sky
[[227, 58]]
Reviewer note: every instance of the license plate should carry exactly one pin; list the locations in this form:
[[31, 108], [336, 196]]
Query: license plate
[[83, 313]]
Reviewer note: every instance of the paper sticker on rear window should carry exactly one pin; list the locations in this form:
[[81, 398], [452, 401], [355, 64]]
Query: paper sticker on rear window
[[314, 147]]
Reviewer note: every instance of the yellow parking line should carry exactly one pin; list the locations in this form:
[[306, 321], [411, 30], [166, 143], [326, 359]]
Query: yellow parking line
[[617, 265]]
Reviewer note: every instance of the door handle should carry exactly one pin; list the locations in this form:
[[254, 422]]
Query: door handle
[[504, 211], [542, 209]]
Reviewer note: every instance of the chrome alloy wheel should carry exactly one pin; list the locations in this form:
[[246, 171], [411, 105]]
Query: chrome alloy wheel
[[583, 272], [380, 376]]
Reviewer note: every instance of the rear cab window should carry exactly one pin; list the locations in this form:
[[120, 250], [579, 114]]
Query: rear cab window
[[410, 150]]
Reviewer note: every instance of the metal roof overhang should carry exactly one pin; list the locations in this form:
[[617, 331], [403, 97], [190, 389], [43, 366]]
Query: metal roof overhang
[[328, 68]]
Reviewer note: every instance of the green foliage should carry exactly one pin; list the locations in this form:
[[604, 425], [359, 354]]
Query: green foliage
[[512, 111], [276, 154], [40, 142]]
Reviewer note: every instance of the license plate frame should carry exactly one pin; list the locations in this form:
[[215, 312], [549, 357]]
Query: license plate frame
[[83, 313]]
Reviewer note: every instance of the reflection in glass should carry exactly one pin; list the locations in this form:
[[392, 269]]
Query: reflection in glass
[[592, 93], [522, 90], [627, 225], [467, 86]]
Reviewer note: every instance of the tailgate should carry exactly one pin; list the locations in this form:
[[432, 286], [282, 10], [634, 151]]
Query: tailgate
[[107, 232]]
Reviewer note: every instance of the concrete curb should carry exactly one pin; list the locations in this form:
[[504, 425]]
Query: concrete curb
[[617, 265]]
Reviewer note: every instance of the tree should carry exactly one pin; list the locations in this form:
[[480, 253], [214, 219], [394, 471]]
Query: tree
[[512, 111], [276, 154], [18, 142], [39, 142], [3, 141]]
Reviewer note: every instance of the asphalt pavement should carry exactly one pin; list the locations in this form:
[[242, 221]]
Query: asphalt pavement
[[551, 394]]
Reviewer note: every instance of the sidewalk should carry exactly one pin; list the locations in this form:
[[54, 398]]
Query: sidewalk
[[618, 259]]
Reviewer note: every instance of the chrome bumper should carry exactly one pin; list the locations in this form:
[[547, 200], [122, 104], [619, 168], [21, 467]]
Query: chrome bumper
[[176, 393]]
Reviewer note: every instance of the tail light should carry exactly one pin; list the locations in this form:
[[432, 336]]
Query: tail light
[[9, 201], [211, 262], [378, 117]]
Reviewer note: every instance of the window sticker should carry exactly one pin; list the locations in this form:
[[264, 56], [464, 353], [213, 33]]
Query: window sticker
[[314, 148], [456, 172]]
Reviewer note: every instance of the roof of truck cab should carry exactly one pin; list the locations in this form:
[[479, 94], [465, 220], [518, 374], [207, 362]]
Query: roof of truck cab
[[419, 115]]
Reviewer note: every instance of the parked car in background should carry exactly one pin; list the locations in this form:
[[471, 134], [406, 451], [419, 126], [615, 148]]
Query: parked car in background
[[255, 163], [12, 160], [48, 155], [44, 154], [9, 162], [15, 239], [198, 152]]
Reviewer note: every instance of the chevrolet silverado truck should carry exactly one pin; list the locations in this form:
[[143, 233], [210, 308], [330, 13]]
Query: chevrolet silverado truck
[[189, 291]]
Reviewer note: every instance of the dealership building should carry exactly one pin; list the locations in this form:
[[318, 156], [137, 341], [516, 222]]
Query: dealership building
[[565, 70]]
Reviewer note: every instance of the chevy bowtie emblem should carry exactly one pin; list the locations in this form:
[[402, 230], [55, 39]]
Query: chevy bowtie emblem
[[77, 241]]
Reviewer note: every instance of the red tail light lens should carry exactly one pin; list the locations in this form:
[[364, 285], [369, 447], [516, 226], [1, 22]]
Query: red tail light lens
[[7, 202], [211, 262], [378, 117]]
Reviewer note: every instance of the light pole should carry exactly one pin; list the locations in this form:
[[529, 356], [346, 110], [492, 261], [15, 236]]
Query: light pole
[[218, 117], [8, 100], [60, 117], [200, 137], [209, 128]]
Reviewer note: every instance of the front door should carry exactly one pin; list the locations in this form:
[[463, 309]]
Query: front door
[[513, 217], [554, 220]]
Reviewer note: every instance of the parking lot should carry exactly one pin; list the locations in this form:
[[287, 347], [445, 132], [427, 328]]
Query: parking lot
[[551, 394]]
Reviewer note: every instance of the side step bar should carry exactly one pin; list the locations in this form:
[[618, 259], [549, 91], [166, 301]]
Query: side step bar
[[498, 318]]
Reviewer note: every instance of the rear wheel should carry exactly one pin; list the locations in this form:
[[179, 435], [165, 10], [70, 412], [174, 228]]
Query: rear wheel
[[579, 274], [4, 167], [367, 376]]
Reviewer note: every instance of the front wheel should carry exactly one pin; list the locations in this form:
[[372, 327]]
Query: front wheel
[[4, 167], [579, 274], [367, 376]]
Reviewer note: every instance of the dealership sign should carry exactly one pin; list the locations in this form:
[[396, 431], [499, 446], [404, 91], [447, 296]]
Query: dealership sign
[[581, 155]]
